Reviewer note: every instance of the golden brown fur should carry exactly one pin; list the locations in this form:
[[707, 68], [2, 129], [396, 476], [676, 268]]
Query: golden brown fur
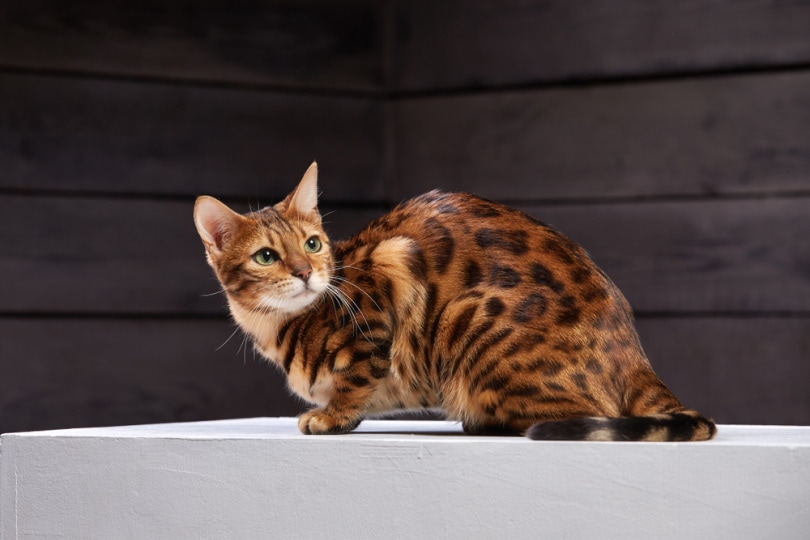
[[449, 301]]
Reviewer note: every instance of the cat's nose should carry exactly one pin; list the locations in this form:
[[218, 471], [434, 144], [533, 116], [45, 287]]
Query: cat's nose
[[303, 272]]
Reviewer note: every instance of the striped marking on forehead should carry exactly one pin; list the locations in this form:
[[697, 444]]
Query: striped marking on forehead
[[269, 218], [278, 230], [271, 227]]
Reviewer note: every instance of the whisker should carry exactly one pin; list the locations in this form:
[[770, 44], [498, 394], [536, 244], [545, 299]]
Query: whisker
[[352, 309], [345, 280], [207, 295], [229, 339]]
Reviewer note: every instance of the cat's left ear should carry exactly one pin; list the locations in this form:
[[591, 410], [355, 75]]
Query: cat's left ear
[[304, 199]]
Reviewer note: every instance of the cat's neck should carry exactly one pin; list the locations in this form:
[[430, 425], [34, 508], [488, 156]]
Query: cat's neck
[[262, 327]]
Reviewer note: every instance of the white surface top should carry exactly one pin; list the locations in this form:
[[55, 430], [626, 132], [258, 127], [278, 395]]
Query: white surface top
[[392, 430], [261, 478]]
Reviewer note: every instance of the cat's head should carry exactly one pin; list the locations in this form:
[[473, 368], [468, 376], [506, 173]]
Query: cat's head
[[275, 260]]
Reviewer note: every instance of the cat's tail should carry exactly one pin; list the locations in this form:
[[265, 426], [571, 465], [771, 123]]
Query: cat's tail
[[683, 425]]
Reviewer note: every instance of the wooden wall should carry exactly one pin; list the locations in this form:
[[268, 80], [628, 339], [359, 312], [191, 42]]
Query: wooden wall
[[114, 116], [669, 138]]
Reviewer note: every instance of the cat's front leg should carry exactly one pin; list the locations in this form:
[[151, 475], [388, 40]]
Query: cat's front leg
[[353, 388], [323, 421], [342, 414]]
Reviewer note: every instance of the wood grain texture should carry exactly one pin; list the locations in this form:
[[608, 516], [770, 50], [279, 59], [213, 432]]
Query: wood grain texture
[[461, 44], [736, 370], [78, 255], [92, 372], [726, 135], [84, 135], [297, 43], [745, 256]]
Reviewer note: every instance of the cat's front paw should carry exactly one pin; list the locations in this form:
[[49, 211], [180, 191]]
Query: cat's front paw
[[319, 422]]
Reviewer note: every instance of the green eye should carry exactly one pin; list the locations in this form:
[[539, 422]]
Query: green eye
[[313, 245], [265, 256]]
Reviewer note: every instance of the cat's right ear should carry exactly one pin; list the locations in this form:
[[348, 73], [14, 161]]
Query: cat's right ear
[[304, 199], [215, 222]]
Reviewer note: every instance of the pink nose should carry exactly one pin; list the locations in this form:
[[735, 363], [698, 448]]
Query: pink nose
[[303, 273]]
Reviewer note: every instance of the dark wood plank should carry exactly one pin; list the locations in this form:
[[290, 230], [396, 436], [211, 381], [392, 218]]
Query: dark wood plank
[[81, 135], [701, 256], [739, 371], [130, 256], [480, 43], [76, 255], [300, 43], [69, 373], [726, 135]]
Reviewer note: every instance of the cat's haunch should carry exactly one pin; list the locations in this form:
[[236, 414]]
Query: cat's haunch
[[448, 302]]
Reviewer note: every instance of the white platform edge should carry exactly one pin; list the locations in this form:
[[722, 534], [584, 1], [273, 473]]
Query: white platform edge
[[260, 478]]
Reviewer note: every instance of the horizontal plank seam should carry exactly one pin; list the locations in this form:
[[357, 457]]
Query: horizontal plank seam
[[262, 200], [660, 198], [574, 81], [722, 314], [256, 200], [113, 316], [595, 81], [297, 90]]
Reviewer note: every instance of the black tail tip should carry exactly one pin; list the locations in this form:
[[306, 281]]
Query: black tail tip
[[668, 427]]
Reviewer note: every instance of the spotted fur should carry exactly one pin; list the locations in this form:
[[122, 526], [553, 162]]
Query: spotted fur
[[447, 302]]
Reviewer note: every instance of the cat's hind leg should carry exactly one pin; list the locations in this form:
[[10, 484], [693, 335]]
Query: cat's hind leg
[[650, 413]]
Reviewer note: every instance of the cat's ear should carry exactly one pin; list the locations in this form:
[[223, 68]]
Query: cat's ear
[[304, 199], [215, 222]]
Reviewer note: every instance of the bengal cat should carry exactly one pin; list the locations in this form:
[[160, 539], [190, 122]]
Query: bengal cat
[[449, 301]]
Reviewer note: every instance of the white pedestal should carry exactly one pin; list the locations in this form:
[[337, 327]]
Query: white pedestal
[[260, 478]]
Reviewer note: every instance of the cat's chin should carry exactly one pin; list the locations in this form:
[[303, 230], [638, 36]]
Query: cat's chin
[[293, 303]]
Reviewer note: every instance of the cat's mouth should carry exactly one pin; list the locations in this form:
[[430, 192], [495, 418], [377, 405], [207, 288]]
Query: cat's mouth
[[303, 293], [296, 298], [301, 300]]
